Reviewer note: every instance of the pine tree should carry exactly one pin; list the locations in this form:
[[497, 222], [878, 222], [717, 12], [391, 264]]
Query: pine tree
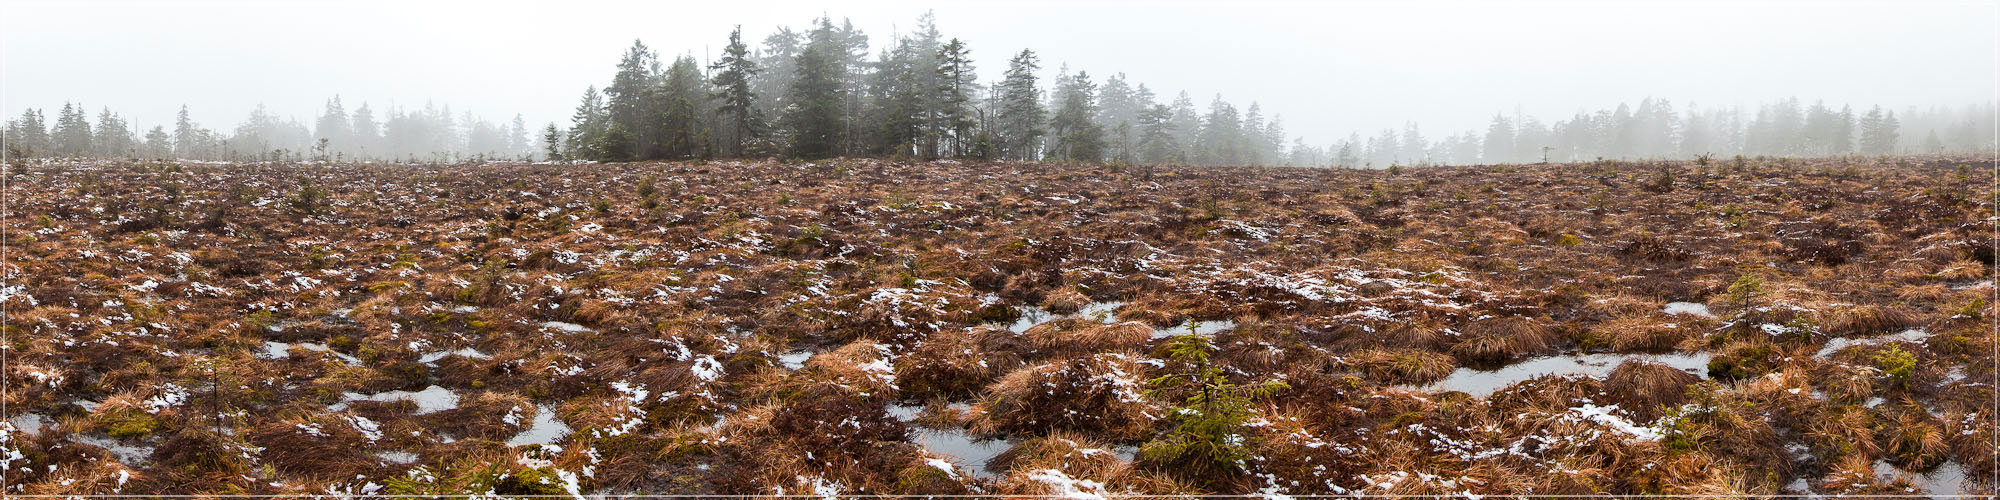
[[1076, 137], [1221, 139], [333, 125], [1020, 113], [735, 99], [112, 138], [28, 135], [1254, 152], [552, 140], [1118, 109], [626, 100], [517, 137], [1500, 140], [1157, 144], [364, 134], [956, 80], [816, 113], [776, 61], [588, 125], [72, 132], [1186, 126], [682, 101], [900, 95], [158, 143]]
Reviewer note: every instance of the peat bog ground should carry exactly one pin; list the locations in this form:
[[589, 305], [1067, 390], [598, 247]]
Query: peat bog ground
[[1756, 326]]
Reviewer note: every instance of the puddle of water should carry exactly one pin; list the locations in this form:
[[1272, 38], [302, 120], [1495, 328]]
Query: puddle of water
[[1096, 311], [1194, 327], [1688, 308], [972, 451], [905, 413], [31, 423], [323, 348], [275, 350], [128, 454], [546, 429], [1972, 284], [1836, 344], [567, 327], [463, 351], [956, 443], [1947, 480], [431, 399], [1483, 383], [795, 360]]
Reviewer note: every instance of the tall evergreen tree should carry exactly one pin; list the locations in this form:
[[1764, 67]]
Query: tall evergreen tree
[[158, 143], [28, 135], [1076, 136], [815, 115], [1020, 114], [552, 141], [776, 59], [72, 132], [626, 99], [364, 133], [1221, 139], [1500, 141], [736, 100], [682, 101], [333, 125], [1186, 126], [956, 80], [1157, 143], [113, 137], [588, 125]]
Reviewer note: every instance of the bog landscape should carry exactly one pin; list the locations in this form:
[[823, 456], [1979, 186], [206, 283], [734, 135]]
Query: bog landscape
[[952, 327], [805, 269]]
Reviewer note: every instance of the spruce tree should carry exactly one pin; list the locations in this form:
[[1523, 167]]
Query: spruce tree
[[72, 132], [1221, 139], [112, 138], [1076, 137], [364, 134], [29, 135], [956, 80], [1156, 135], [736, 101], [158, 144], [681, 103], [552, 139], [589, 124], [1020, 113], [816, 113], [626, 102]]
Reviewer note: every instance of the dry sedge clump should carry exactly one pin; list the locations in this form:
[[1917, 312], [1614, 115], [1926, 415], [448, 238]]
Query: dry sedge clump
[[1402, 366], [1642, 387], [1865, 320], [1083, 336], [955, 363], [1101, 394], [1645, 334], [1494, 340]]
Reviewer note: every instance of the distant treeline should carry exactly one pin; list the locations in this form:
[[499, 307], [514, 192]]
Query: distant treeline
[[428, 134], [817, 92], [1654, 129]]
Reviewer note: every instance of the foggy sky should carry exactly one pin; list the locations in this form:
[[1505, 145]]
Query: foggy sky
[[1329, 68]]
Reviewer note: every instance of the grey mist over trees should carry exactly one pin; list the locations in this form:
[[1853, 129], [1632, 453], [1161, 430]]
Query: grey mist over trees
[[432, 133], [1253, 83]]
